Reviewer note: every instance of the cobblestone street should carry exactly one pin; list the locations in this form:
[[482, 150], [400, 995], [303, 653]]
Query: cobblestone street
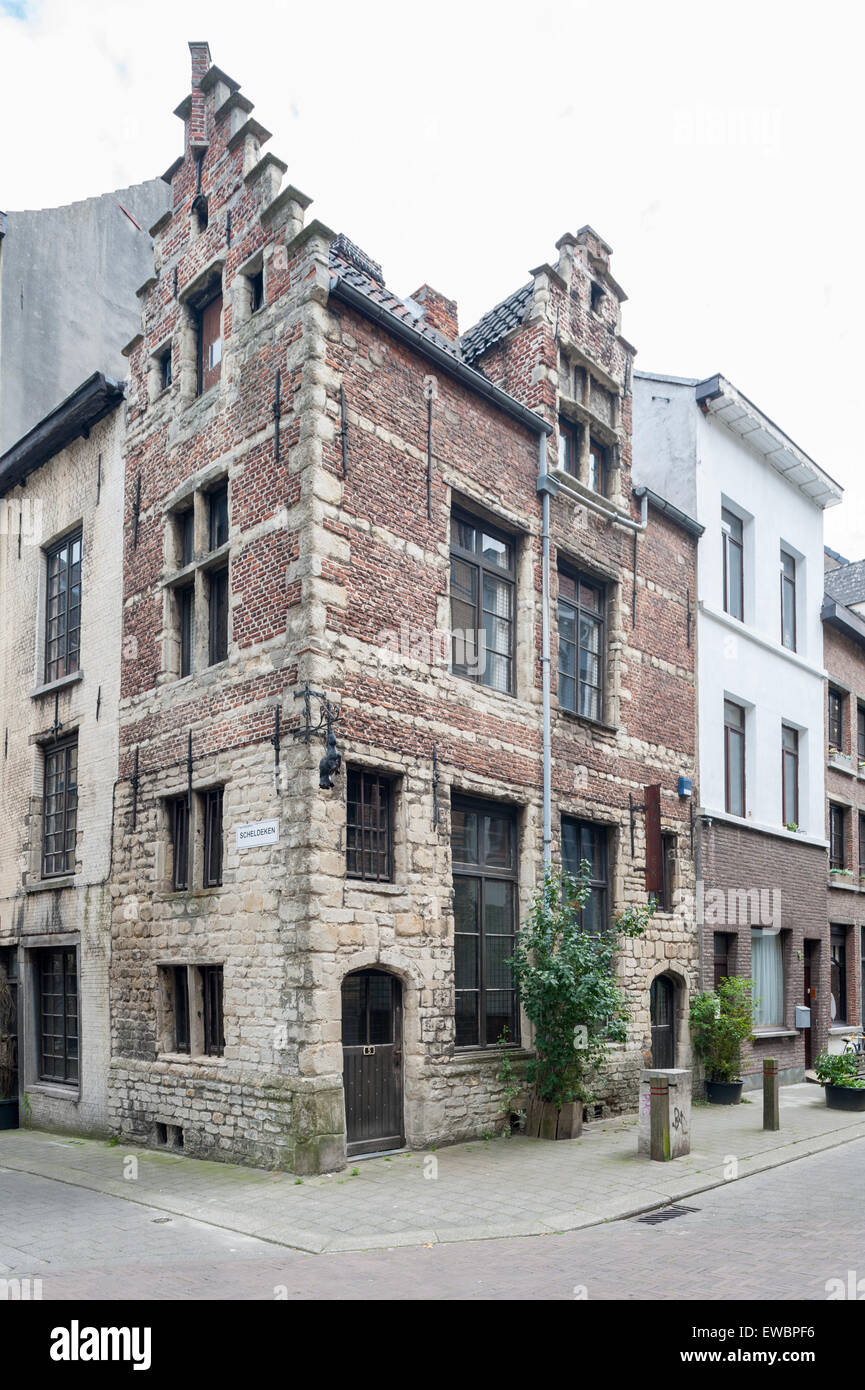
[[772, 1236]]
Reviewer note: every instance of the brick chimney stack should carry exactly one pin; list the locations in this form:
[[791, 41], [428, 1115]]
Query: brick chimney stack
[[438, 312], [200, 54]]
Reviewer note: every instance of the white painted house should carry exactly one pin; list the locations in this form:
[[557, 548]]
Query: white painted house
[[706, 449]]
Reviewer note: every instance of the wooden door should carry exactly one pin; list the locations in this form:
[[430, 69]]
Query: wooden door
[[809, 999], [372, 1061], [662, 1008]]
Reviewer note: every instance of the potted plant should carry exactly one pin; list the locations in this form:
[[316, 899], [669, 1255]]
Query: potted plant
[[839, 1074], [8, 1101], [721, 1023], [567, 986], [792, 826]]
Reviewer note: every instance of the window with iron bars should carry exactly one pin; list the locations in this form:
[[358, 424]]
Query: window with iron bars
[[369, 826]]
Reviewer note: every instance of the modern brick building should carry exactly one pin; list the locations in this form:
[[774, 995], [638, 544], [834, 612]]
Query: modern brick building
[[344, 518], [760, 821], [61, 506], [837, 978]]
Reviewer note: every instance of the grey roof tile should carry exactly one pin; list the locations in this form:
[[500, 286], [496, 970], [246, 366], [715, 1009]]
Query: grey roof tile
[[846, 584], [496, 323]]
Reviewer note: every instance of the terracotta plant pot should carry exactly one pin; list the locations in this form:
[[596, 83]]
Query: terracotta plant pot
[[845, 1097], [724, 1092], [547, 1121]]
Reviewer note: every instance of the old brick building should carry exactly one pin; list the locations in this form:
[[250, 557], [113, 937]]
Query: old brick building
[[342, 516], [836, 978], [61, 503]]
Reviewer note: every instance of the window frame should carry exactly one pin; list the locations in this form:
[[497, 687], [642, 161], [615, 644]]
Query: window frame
[[484, 567], [601, 886], [217, 615], [374, 782], [213, 1009], [483, 873], [212, 810], [179, 828], [71, 1055], [570, 443], [788, 756], [788, 594], [71, 662], [599, 463], [63, 747], [835, 719], [203, 384], [731, 543], [860, 732], [579, 579], [729, 730], [837, 835]]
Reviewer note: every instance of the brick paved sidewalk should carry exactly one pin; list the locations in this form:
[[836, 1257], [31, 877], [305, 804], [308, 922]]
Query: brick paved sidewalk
[[485, 1189]]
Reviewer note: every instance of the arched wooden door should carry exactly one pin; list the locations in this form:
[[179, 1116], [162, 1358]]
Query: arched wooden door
[[372, 1061], [662, 1007]]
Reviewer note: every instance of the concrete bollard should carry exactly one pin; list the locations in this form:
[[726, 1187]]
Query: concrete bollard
[[771, 1117], [664, 1128]]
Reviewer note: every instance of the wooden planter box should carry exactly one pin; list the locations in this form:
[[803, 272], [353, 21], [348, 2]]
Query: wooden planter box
[[546, 1121]]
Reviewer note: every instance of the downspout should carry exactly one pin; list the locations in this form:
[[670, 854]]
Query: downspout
[[547, 487]]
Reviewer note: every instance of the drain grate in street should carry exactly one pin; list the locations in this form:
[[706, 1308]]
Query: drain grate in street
[[668, 1214]]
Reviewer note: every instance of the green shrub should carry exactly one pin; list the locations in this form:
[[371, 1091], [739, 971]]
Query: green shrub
[[567, 985], [839, 1069], [722, 1021]]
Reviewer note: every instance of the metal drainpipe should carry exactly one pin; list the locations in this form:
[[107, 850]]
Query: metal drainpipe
[[545, 651]]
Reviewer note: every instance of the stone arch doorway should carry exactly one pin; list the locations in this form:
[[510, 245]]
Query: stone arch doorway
[[372, 1061], [662, 1011]]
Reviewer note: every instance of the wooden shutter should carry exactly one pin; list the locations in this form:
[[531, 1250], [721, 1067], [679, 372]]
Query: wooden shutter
[[654, 842]]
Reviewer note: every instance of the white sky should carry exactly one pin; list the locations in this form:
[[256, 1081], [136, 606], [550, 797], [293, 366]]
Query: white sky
[[718, 148]]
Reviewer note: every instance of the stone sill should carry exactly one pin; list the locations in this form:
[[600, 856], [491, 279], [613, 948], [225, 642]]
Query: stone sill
[[50, 885], [587, 722], [54, 1090], [370, 885], [845, 1030], [842, 881], [61, 684], [487, 1056], [193, 1059], [846, 768], [766, 1035]]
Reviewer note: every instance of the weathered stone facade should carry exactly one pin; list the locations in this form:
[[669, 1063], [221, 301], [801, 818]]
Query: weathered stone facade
[[48, 492], [347, 425]]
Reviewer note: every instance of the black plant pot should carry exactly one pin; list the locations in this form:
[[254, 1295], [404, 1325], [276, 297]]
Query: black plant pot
[[845, 1097], [724, 1092], [9, 1114]]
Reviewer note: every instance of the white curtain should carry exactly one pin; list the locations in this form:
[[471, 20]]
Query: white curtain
[[767, 970]]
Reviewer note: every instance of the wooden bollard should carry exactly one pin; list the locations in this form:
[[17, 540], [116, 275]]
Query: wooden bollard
[[660, 1118], [771, 1118]]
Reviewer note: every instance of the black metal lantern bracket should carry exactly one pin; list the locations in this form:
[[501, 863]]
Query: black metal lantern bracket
[[328, 716]]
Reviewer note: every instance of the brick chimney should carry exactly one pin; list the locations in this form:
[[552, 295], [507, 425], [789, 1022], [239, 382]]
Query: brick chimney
[[200, 54], [438, 312]]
